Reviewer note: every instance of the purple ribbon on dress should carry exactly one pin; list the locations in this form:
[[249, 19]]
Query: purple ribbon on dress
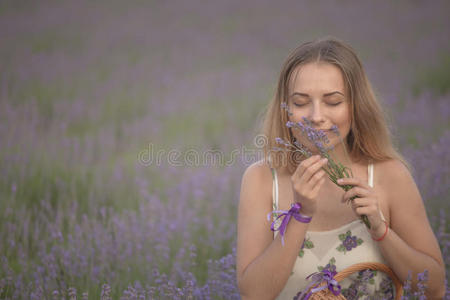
[[319, 277], [287, 214]]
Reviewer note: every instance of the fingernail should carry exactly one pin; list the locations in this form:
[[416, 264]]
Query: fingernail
[[339, 180]]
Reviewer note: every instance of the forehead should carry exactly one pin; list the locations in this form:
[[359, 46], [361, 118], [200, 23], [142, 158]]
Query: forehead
[[316, 78]]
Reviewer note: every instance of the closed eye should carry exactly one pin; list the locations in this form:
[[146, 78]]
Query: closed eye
[[332, 104], [298, 105]]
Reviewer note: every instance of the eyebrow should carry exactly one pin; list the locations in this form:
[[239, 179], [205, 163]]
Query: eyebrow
[[325, 95]]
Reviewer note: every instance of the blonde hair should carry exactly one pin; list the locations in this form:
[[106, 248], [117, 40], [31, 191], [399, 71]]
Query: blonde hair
[[369, 137]]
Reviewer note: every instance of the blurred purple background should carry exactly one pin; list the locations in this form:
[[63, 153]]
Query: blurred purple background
[[86, 86]]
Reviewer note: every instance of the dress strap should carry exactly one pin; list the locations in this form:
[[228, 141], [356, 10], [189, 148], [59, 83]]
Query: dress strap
[[275, 188], [274, 185], [370, 182], [370, 174]]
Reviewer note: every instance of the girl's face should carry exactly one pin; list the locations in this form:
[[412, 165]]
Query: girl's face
[[317, 92]]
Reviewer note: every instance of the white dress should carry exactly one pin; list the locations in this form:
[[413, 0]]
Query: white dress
[[337, 249]]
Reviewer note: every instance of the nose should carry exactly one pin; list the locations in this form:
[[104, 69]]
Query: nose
[[316, 114]]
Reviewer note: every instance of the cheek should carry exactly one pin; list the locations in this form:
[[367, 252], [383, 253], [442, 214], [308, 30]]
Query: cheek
[[343, 119], [297, 114]]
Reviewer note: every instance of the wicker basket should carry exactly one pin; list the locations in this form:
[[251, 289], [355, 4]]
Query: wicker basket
[[327, 294]]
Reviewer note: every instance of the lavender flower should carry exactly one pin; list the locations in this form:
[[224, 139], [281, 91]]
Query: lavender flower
[[335, 130], [106, 292], [285, 107], [407, 286], [334, 170], [55, 294], [72, 292], [290, 124], [279, 140], [421, 286]]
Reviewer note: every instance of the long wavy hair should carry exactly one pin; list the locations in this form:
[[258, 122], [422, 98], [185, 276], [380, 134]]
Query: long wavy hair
[[369, 138]]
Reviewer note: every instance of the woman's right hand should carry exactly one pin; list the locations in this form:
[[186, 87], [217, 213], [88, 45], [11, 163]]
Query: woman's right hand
[[306, 181]]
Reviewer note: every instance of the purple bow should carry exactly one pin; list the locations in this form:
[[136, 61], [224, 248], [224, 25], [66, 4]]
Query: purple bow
[[287, 214], [319, 277]]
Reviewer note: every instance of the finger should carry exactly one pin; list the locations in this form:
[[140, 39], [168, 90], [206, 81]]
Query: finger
[[315, 178], [366, 210], [361, 202], [314, 169], [301, 167], [356, 191], [306, 164]]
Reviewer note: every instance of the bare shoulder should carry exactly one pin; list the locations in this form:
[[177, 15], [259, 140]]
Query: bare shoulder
[[394, 174], [404, 199], [257, 180], [395, 166], [258, 172], [391, 177]]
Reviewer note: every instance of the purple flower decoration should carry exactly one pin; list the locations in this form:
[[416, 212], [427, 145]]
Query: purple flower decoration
[[331, 266], [356, 290], [366, 275], [387, 288], [360, 285], [351, 292], [349, 242]]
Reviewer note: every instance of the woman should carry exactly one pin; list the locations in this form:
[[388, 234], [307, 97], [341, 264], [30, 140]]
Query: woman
[[324, 81]]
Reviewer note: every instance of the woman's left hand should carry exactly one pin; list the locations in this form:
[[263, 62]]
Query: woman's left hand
[[366, 203]]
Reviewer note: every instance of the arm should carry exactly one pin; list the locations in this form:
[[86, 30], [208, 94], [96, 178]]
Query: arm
[[411, 243], [263, 264]]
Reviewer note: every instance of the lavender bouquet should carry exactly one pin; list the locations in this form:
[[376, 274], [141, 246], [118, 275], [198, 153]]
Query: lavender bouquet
[[334, 169]]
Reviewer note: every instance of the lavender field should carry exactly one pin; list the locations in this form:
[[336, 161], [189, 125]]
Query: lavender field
[[91, 91]]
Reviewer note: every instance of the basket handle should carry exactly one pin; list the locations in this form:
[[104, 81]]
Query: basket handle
[[372, 266]]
